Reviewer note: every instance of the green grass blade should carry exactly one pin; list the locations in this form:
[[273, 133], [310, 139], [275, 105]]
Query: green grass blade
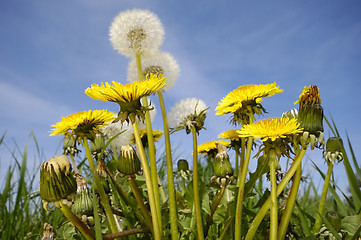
[[357, 167], [305, 227], [330, 227]]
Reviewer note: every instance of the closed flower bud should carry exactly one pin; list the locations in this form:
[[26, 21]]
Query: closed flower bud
[[83, 204], [334, 219], [69, 145], [333, 151], [56, 179], [182, 165], [222, 166], [128, 161], [97, 145]]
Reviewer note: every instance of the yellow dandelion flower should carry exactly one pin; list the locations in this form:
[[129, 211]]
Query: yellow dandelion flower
[[157, 134], [232, 135], [83, 124], [125, 93], [309, 96], [210, 147], [271, 128], [127, 96], [245, 101]]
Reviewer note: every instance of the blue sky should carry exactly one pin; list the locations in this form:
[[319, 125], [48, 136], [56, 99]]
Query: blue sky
[[51, 51]]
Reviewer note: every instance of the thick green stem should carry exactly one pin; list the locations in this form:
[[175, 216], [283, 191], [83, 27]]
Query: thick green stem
[[151, 146], [103, 196], [148, 181], [82, 227], [286, 216], [170, 177], [274, 205], [141, 204], [264, 209], [242, 181], [323, 198], [197, 203]]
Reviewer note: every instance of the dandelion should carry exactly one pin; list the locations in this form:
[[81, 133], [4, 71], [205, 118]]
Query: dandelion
[[188, 113], [157, 134], [134, 31], [245, 101], [127, 96], [83, 124], [157, 63], [310, 115], [210, 148]]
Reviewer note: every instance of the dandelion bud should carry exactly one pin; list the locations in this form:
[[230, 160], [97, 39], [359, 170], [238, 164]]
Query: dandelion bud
[[69, 145], [334, 219], [56, 179], [83, 204], [222, 166], [333, 151], [182, 165], [97, 145], [128, 161]]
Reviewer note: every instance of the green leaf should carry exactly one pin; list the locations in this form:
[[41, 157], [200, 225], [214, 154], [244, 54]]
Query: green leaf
[[351, 224], [262, 168], [330, 227]]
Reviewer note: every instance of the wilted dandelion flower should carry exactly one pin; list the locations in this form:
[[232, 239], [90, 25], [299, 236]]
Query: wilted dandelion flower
[[127, 96], [157, 63], [188, 113], [245, 101], [83, 124], [134, 31]]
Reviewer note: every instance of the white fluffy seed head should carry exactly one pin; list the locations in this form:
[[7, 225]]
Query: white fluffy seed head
[[183, 109], [134, 31], [156, 62], [113, 129]]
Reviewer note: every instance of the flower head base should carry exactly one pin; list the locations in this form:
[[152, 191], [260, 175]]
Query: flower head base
[[69, 145], [210, 148], [127, 96], [223, 170], [56, 179], [245, 101], [156, 63], [83, 124], [333, 152], [183, 169], [128, 162], [144, 136], [188, 113], [97, 144], [274, 133], [136, 30], [310, 115]]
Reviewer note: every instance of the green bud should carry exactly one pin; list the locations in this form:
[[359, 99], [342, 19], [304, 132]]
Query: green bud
[[311, 118], [97, 145], [222, 166], [333, 151], [182, 165], [69, 145], [56, 179], [334, 219], [128, 161], [83, 204]]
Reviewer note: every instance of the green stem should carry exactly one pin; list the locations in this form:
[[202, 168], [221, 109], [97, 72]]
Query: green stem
[[148, 181], [274, 206], [225, 229], [141, 204], [103, 196], [215, 205], [197, 204], [115, 153], [323, 198], [242, 182], [264, 209], [76, 171], [151, 146], [236, 149], [126, 233], [76, 221], [286, 216], [170, 177]]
